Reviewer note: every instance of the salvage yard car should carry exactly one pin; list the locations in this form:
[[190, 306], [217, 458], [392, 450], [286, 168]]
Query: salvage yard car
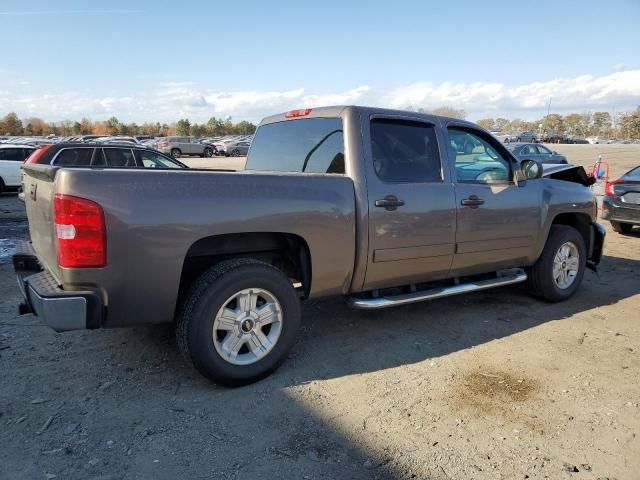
[[11, 158], [535, 151], [621, 202], [178, 146], [383, 207]]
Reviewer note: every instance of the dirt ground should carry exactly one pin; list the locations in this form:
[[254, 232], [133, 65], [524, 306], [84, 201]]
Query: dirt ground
[[493, 385]]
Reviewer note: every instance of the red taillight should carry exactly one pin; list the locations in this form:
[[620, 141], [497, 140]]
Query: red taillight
[[80, 232], [36, 154], [298, 113], [608, 188]]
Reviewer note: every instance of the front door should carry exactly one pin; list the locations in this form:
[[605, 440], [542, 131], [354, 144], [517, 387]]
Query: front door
[[411, 204], [498, 221]]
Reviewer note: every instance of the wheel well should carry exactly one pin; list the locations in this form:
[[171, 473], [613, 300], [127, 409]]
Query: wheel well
[[580, 221], [288, 252]]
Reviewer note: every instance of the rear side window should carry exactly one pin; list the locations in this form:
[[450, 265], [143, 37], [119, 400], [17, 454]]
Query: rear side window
[[310, 145], [119, 157], [405, 151], [155, 160], [74, 157]]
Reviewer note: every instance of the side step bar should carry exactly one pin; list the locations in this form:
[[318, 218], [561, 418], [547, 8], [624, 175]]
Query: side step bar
[[404, 299]]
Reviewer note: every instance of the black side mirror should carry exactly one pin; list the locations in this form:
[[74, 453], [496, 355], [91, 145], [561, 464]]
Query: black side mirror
[[530, 169]]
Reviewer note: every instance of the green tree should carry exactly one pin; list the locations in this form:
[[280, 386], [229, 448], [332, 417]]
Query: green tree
[[11, 124], [629, 124], [198, 130], [601, 123], [183, 127], [113, 126], [245, 128]]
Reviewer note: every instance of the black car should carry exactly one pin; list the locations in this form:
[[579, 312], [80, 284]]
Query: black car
[[535, 151], [621, 202], [103, 156]]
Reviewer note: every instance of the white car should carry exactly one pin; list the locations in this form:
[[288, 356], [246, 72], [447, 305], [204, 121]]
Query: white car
[[11, 159]]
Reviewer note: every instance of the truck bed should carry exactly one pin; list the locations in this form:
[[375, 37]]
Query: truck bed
[[153, 218]]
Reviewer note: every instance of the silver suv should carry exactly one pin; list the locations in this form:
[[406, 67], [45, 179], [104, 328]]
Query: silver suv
[[178, 146]]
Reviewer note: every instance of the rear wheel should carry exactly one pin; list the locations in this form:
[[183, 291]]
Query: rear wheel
[[208, 152], [622, 227], [175, 152], [558, 272], [238, 321], [235, 152]]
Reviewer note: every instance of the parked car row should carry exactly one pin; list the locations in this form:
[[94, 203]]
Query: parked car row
[[176, 146]]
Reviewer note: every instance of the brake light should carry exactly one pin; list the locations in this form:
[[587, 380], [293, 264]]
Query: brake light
[[298, 113], [609, 190], [36, 154], [80, 232]]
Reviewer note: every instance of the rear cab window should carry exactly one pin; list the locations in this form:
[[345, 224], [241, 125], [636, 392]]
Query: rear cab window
[[310, 145]]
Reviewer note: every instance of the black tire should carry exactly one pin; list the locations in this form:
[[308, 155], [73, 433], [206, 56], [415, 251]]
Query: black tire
[[175, 152], [208, 152], [235, 152], [541, 282], [194, 321], [621, 227]]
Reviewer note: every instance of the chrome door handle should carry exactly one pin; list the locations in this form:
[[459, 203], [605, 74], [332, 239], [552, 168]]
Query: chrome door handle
[[472, 201], [390, 202]]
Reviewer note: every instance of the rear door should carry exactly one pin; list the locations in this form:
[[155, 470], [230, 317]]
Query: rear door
[[411, 203], [498, 221]]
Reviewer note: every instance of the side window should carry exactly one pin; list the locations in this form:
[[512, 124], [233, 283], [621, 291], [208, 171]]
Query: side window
[[405, 151], [12, 154], [528, 150], [26, 152], [543, 150], [119, 157], [155, 160], [74, 157], [476, 160]]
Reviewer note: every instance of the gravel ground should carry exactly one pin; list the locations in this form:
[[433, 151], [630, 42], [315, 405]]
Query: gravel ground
[[489, 385]]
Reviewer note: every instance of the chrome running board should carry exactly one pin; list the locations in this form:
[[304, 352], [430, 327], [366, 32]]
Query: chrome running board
[[404, 299]]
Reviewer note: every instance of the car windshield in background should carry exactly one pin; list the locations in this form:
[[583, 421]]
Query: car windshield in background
[[311, 145], [633, 174]]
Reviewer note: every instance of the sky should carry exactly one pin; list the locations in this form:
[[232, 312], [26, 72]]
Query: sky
[[164, 60]]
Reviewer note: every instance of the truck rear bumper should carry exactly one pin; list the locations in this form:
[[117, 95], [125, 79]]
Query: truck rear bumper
[[59, 309]]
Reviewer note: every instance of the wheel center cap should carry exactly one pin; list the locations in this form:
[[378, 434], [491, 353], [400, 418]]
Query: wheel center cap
[[564, 264], [247, 325]]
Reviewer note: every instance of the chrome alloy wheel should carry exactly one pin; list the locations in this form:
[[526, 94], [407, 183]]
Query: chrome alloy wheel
[[248, 326], [565, 265]]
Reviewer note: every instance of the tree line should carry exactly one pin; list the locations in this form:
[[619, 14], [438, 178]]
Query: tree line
[[11, 124], [603, 124]]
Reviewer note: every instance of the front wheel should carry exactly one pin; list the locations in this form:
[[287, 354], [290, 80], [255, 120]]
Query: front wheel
[[622, 227], [238, 321], [558, 272], [208, 152]]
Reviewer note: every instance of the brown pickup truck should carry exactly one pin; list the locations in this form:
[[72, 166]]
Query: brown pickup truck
[[384, 207]]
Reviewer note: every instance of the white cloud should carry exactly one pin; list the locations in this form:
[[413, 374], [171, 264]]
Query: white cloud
[[170, 101]]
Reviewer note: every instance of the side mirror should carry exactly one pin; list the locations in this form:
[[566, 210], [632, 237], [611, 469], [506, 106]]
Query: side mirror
[[530, 169]]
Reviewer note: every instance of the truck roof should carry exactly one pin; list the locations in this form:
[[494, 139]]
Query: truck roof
[[338, 110]]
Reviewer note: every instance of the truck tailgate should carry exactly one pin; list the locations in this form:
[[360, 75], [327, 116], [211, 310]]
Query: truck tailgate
[[38, 195]]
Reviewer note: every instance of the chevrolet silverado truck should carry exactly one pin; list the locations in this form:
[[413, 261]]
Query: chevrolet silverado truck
[[383, 207]]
